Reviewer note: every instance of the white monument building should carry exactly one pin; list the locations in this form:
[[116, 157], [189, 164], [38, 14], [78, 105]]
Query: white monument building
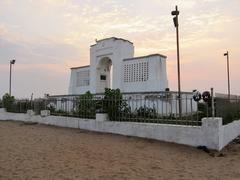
[[142, 80], [113, 65]]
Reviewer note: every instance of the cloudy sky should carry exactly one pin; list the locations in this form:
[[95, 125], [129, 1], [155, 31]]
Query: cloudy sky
[[48, 37]]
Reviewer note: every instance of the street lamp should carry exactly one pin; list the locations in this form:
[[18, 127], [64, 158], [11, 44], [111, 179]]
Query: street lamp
[[175, 20], [227, 54], [10, 78]]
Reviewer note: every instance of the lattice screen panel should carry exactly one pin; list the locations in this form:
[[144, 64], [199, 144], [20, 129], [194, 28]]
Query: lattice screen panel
[[136, 72]]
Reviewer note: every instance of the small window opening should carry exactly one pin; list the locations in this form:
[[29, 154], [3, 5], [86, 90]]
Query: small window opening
[[103, 77]]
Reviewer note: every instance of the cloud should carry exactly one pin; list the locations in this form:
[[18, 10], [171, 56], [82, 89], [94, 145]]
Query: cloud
[[50, 36], [32, 53], [3, 30]]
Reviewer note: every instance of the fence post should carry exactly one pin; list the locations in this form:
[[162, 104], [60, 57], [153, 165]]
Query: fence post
[[212, 99]]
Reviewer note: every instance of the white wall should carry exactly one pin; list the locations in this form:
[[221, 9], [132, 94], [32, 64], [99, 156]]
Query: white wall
[[114, 49], [157, 78], [163, 106], [73, 88], [211, 134], [230, 131]]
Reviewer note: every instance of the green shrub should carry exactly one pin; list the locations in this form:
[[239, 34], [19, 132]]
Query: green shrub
[[203, 110], [86, 105], [59, 113], [114, 104], [8, 102], [147, 112], [1, 104]]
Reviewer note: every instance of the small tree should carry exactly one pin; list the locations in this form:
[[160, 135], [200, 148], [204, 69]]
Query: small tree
[[8, 101]]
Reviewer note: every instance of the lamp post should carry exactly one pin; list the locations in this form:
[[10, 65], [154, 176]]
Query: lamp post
[[175, 20], [227, 54], [10, 77]]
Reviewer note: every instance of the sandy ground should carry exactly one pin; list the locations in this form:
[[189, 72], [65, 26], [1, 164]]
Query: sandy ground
[[45, 152]]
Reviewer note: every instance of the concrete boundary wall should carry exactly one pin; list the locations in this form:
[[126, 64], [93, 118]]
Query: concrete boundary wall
[[211, 134], [230, 132]]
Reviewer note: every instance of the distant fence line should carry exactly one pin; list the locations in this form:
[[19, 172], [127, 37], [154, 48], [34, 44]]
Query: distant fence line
[[229, 110]]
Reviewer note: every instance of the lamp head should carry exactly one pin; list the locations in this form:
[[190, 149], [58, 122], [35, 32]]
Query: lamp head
[[13, 61], [175, 20], [175, 13], [225, 54]]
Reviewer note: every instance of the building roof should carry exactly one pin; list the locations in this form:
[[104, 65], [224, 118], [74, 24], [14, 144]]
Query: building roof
[[114, 38], [79, 67], [128, 59], [140, 57]]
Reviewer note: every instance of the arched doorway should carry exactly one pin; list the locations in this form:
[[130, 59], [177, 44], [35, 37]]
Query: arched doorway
[[104, 74]]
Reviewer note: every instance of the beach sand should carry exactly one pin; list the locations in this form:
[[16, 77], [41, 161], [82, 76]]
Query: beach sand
[[47, 152]]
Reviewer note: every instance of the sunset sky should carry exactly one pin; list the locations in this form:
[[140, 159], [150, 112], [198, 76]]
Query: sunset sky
[[47, 37]]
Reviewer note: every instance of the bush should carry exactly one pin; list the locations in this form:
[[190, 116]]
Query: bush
[[203, 110], [1, 104], [113, 104], [86, 106], [59, 113], [147, 112], [8, 102]]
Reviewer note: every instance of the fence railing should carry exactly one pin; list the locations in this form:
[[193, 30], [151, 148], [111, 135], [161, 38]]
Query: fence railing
[[228, 109], [73, 107], [155, 107], [21, 106]]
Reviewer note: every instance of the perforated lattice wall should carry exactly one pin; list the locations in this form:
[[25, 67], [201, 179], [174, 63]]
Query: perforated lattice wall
[[136, 72], [83, 78]]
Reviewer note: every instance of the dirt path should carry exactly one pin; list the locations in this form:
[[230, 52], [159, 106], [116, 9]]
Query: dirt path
[[45, 152]]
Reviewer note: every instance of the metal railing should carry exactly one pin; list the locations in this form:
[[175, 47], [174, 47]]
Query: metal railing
[[151, 107], [73, 107], [21, 106], [154, 107], [228, 109]]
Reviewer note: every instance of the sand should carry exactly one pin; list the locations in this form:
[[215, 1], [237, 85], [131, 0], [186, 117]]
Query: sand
[[47, 152]]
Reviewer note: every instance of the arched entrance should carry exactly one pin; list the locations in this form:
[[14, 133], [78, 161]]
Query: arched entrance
[[104, 74]]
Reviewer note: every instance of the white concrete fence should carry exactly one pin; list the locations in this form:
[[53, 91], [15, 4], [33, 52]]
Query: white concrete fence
[[211, 134]]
